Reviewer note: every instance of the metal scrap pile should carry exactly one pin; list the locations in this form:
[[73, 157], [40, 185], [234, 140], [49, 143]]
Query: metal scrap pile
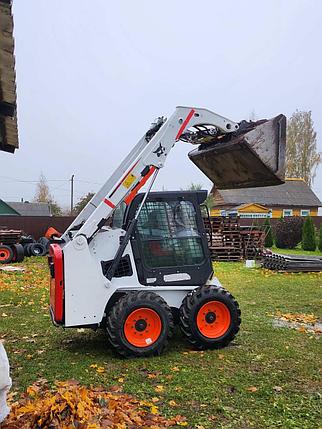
[[10, 249], [292, 263], [14, 246]]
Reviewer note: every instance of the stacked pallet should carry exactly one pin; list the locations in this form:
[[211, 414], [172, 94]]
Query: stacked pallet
[[253, 242], [9, 236], [226, 241], [292, 263], [231, 242]]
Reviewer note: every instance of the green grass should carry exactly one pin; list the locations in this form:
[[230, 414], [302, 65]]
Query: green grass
[[210, 387], [297, 251]]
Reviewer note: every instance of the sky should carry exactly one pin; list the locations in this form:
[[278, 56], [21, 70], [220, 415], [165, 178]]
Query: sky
[[93, 75]]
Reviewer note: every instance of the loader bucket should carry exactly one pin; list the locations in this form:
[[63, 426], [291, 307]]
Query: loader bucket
[[251, 157]]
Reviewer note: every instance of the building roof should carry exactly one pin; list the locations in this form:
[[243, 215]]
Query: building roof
[[8, 104], [294, 192], [245, 206], [6, 210], [31, 209]]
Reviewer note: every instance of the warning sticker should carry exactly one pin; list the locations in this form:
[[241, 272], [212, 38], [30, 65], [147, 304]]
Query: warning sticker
[[128, 181]]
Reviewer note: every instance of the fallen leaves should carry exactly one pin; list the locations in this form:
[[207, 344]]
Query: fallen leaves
[[304, 323], [252, 389], [298, 317], [175, 369], [70, 405], [159, 388], [99, 369]]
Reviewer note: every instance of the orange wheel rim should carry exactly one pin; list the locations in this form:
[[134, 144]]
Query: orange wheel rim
[[142, 327], [213, 319], [4, 254]]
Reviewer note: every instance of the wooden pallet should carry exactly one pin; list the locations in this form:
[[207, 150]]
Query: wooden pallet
[[230, 242]]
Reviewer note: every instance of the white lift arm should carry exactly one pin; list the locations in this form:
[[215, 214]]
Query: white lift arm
[[147, 157]]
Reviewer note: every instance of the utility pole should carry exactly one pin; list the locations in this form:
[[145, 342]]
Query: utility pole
[[72, 194]]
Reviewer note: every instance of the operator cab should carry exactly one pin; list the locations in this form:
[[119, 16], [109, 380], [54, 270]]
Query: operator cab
[[169, 243]]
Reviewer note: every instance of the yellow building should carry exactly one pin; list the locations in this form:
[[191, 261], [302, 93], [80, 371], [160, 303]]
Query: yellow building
[[293, 198]]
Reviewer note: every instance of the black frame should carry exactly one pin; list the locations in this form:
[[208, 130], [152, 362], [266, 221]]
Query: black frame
[[199, 273]]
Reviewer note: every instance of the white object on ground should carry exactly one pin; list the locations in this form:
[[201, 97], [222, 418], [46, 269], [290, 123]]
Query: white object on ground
[[11, 268], [250, 263], [5, 383]]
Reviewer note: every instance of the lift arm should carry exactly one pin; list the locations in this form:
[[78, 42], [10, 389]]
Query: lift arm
[[147, 157]]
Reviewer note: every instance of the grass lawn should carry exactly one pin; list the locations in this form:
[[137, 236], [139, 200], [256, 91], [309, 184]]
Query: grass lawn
[[268, 378], [296, 251]]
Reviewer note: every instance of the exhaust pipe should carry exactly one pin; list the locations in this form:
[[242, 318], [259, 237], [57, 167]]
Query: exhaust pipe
[[251, 157]]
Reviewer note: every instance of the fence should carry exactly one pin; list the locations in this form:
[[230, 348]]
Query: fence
[[36, 225], [317, 220]]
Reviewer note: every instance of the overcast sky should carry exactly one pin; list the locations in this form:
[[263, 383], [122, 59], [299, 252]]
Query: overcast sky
[[92, 76]]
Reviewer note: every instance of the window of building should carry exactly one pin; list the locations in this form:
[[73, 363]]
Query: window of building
[[305, 212], [287, 212]]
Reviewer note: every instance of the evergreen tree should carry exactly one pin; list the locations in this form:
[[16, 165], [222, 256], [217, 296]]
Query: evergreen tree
[[269, 234], [308, 235], [320, 239], [82, 203]]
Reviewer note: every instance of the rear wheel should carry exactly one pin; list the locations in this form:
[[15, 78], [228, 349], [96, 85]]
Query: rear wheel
[[6, 254], [139, 324], [18, 252], [37, 249], [26, 249], [209, 317]]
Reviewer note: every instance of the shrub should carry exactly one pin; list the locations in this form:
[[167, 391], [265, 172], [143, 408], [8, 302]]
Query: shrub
[[308, 235], [269, 234], [288, 232], [320, 239]]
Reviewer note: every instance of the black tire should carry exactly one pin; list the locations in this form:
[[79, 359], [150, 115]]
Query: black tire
[[18, 252], [119, 328], [6, 254], [26, 249], [45, 242], [37, 249], [192, 322], [24, 240]]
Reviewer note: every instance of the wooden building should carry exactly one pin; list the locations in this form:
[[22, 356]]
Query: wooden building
[[293, 198]]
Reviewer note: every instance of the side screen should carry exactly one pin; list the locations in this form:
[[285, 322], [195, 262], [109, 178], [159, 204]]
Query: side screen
[[168, 234]]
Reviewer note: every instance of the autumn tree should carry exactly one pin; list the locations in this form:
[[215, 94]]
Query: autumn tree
[[302, 158], [83, 202], [43, 195]]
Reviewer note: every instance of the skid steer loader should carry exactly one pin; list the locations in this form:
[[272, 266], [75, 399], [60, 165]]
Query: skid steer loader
[[133, 263]]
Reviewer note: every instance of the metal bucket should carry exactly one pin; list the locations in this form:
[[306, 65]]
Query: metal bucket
[[251, 157]]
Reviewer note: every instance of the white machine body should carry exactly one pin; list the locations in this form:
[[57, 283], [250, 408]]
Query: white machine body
[[80, 292]]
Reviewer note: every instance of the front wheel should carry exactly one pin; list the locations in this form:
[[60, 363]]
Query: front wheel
[[209, 317], [139, 324], [6, 254]]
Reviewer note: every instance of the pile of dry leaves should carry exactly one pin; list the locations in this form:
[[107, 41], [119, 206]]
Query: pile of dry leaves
[[69, 405], [297, 317]]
